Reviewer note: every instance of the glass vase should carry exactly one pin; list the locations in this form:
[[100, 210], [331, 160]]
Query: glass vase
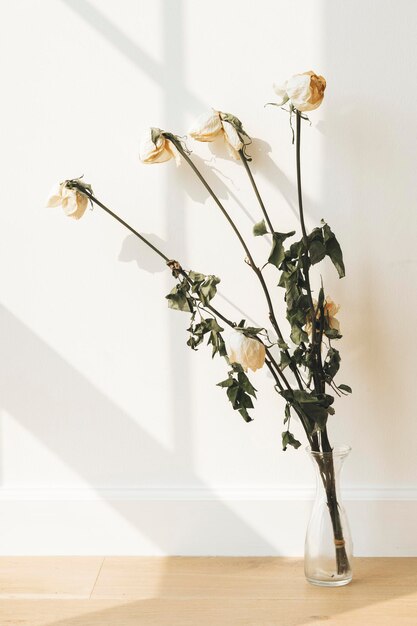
[[328, 545]]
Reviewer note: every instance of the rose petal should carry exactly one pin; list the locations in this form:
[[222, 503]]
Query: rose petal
[[298, 89], [55, 198], [281, 91], [69, 203], [248, 352], [158, 152], [206, 127], [233, 141]]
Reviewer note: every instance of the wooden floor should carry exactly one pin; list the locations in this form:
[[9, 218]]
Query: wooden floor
[[180, 591]]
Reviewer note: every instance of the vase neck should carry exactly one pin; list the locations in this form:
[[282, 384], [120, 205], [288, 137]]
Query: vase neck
[[328, 464]]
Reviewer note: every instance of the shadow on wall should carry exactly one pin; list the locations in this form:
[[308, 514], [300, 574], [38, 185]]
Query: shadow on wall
[[372, 190], [163, 73], [54, 402]]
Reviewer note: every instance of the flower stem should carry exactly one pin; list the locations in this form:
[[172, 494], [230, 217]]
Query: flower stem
[[271, 228], [325, 463], [256, 190], [251, 261], [125, 224], [306, 260]]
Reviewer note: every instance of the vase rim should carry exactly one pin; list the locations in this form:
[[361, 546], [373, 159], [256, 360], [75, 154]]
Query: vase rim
[[339, 450]]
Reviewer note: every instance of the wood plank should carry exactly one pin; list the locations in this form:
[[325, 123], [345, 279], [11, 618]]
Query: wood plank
[[248, 577], [67, 577], [158, 612], [178, 591]]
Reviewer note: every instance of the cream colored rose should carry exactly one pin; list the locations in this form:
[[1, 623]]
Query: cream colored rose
[[248, 352], [71, 200], [330, 310], [215, 123], [304, 91], [156, 148], [207, 127]]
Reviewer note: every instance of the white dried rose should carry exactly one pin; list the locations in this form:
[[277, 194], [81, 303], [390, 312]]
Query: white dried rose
[[156, 148], [304, 91], [71, 200], [207, 127], [246, 351], [214, 123], [330, 310]]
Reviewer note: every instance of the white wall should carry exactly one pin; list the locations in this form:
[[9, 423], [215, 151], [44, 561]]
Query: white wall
[[109, 425]]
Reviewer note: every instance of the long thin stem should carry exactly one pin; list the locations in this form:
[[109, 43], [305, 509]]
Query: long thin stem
[[256, 190], [271, 228], [303, 419], [277, 368], [306, 260], [274, 374], [251, 261], [125, 224], [326, 462]]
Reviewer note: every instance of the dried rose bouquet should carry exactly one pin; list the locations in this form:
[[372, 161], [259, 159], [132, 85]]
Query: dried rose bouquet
[[304, 375]]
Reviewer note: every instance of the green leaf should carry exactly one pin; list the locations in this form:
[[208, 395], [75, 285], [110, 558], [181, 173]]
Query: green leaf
[[298, 355], [333, 250], [251, 331], [226, 383], [315, 406], [299, 395], [345, 388], [321, 299], [296, 250], [317, 251], [288, 439], [260, 228], [277, 254], [332, 333], [287, 412], [196, 277], [239, 391], [232, 394], [179, 301], [245, 415], [245, 384], [298, 335], [285, 360], [332, 363], [207, 289]]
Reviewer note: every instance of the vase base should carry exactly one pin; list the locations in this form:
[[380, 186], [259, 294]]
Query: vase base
[[329, 583]]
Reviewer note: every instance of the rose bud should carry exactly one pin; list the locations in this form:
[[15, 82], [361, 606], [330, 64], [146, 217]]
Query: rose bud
[[156, 148], [72, 200], [304, 91], [210, 125], [246, 351], [330, 310]]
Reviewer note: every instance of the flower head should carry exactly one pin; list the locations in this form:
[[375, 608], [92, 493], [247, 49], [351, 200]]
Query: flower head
[[214, 123], [156, 148], [247, 351], [304, 91], [70, 197], [330, 310]]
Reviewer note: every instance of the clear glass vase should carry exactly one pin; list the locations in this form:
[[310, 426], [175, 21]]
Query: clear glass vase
[[328, 545]]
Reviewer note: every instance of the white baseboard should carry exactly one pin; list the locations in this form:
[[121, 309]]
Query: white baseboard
[[195, 520], [253, 493]]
